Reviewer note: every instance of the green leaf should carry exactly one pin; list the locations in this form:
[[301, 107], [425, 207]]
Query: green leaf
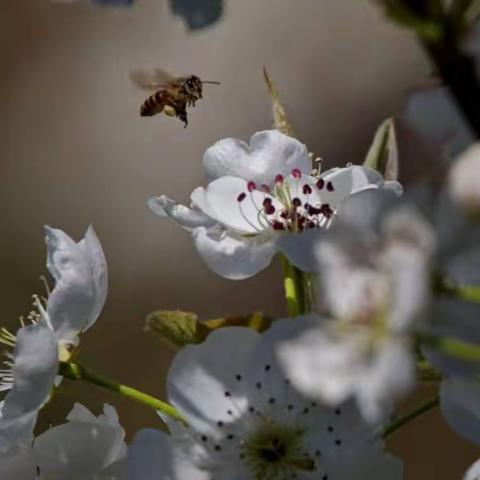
[[383, 154], [280, 121], [178, 329]]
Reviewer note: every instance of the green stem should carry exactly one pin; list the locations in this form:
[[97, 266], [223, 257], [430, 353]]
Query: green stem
[[452, 347], [409, 416], [426, 374], [294, 291], [446, 286], [76, 371]]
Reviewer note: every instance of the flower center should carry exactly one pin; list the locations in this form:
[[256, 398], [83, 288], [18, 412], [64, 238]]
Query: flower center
[[293, 205], [273, 451]]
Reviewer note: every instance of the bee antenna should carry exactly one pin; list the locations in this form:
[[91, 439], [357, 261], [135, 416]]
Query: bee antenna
[[211, 82]]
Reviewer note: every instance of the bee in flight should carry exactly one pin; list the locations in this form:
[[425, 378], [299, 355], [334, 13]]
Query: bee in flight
[[172, 94]]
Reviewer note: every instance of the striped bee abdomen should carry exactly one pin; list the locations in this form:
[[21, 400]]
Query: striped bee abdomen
[[153, 104]]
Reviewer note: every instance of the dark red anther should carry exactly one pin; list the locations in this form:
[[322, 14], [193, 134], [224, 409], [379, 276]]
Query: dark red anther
[[268, 207], [311, 225], [320, 183], [241, 197], [296, 173], [284, 214], [296, 202], [251, 186], [278, 225], [279, 179], [326, 210], [313, 210], [307, 189], [265, 188], [330, 187]]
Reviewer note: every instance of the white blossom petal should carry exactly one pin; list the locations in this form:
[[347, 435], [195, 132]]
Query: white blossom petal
[[473, 473], [270, 153], [153, 456], [233, 256], [434, 114], [197, 381], [35, 366], [220, 201], [94, 251], [347, 181], [18, 464], [82, 447], [187, 218], [80, 274]]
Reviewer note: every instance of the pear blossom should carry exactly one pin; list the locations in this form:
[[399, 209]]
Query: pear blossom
[[373, 292], [84, 448], [246, 421], [456, 265], [432, 111], [29, 373], [257, 194]]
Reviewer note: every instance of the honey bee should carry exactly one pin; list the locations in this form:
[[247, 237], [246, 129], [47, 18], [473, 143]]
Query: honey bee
[[172, 94]]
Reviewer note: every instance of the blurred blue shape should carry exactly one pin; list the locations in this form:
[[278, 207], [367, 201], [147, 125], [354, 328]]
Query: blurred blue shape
[[115, 3], [198, 13]]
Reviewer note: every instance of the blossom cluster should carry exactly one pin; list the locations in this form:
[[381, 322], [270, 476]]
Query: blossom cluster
[[381, 280], [382, 291]]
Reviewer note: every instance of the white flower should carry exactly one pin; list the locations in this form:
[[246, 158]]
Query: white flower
[[257, 194], [373, 292], [247, 422], [463, 179], [85, 448], [79, 271], [459, 401], [80, 274]]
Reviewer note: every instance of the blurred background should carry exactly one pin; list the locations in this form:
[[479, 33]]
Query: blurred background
[[74, 150]]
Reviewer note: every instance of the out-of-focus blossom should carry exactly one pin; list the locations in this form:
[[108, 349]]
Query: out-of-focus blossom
[[198, 14], [463, 180], [110, 3], [434, 114], [459, 401], [374, 290], [456, 266], [85, 448], [259, 193], [246, 421]]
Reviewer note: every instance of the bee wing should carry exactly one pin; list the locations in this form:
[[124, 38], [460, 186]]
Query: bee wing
[[150, 79]]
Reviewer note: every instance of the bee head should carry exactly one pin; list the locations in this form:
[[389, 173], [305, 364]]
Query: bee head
[[193, 86]]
